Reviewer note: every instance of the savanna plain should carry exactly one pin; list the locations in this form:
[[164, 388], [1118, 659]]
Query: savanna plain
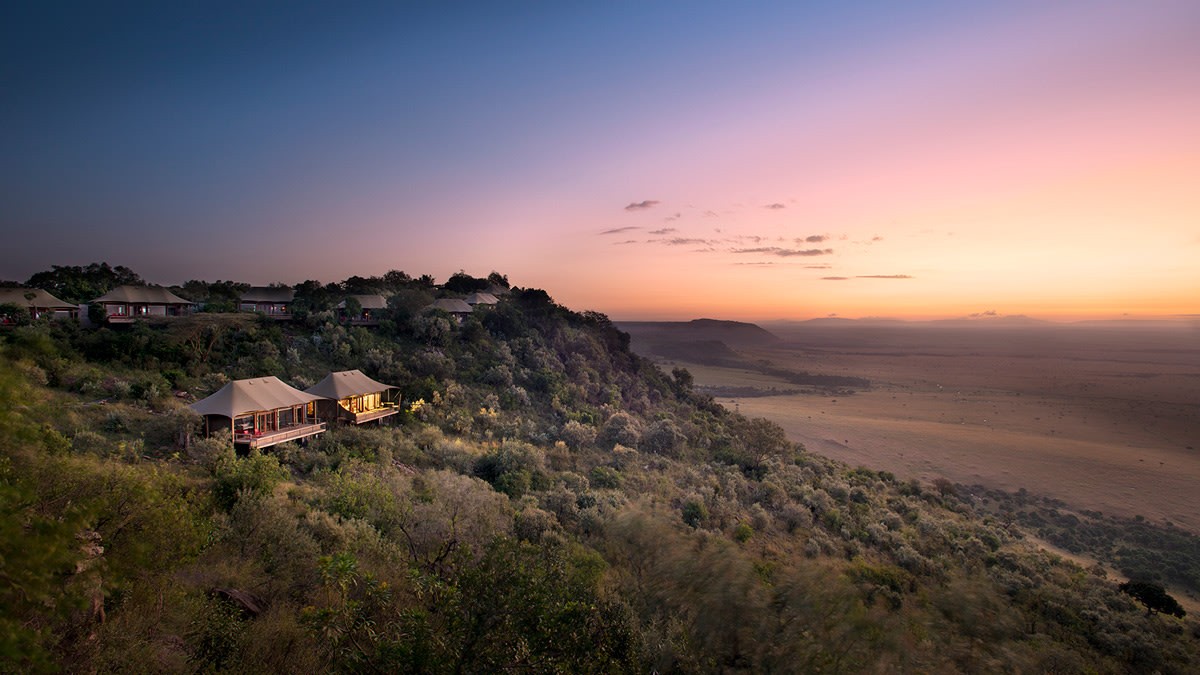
[[1104, 417]]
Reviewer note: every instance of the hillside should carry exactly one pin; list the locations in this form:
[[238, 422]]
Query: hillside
[[548, 501], [720, 343], [700, 341]]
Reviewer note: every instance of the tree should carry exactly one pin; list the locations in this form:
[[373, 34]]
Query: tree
[[362, 285], [311, 296], [755, 441], [664, 438], [621, 429], [577, 435], [11, 313], [461, 282], [81, 284], [394, 280], [684, 381], [217, 296], [1154, 597], [354, 308]]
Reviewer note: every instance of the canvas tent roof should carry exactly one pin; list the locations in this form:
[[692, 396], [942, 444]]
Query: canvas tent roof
[[268, 294], [452, 305], [156, 295], [40, 299], [346, 383], [246, 396], [366, 301], [481, 299]]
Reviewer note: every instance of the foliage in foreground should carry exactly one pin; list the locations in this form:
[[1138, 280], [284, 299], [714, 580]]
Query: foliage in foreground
[[553, 504]]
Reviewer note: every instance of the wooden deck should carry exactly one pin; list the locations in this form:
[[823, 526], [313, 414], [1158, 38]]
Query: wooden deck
[[269, 438], [378, 413]]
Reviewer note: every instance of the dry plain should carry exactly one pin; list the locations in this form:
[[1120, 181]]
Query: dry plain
[[1104, 418]]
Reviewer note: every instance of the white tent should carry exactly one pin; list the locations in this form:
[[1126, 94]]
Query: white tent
[[242, 397], [451, 305], [347, 383], [481, 299]]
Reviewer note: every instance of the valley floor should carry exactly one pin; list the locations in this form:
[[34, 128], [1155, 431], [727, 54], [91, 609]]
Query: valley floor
[[1102, 422]]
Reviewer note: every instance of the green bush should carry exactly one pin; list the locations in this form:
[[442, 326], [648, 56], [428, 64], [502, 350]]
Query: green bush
[[605, 477], [255, 475]]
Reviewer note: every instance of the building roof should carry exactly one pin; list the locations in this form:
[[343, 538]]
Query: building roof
[[154, 295], [246, 396], [481, 299], [452, 305], [497, 290], [33, 298], [268, 294], [366, 301], [347, 383]]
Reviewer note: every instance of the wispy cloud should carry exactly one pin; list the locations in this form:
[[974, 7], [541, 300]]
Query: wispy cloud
[[627, 241], [818, 267], [884, 276], [684, 241], [834, 278], [676, 216], [775, 207], [618, 230], [638, 206], [784, 252], [665, 230], [812, 239]]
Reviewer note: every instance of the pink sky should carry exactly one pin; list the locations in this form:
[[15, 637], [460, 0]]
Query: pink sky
[[930, 160]]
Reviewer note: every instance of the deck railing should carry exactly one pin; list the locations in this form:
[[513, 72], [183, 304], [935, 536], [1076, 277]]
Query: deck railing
[[378, 413], [268, 438]]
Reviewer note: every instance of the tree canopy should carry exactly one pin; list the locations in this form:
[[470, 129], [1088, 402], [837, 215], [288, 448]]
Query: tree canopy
[[1154, 597], [82, 284]]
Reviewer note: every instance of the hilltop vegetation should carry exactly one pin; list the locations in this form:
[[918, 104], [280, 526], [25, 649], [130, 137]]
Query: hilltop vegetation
[[549, 502]]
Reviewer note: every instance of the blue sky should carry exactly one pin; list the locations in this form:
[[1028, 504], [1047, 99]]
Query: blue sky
[[285, 141]]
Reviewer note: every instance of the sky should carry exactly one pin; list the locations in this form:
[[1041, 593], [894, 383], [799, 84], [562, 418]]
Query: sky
[[650, 160]]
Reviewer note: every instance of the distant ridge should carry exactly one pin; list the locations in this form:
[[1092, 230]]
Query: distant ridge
[[987, 321], [978, 321], [733, 333]]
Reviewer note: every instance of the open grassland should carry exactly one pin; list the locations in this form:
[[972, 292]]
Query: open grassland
[[1103, 419]]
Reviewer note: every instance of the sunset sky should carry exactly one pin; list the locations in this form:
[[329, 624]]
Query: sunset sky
[[670, 160]]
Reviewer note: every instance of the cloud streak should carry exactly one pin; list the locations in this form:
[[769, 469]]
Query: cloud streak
[[884, 276], [642, 205], [784, 252], [618, 230]]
